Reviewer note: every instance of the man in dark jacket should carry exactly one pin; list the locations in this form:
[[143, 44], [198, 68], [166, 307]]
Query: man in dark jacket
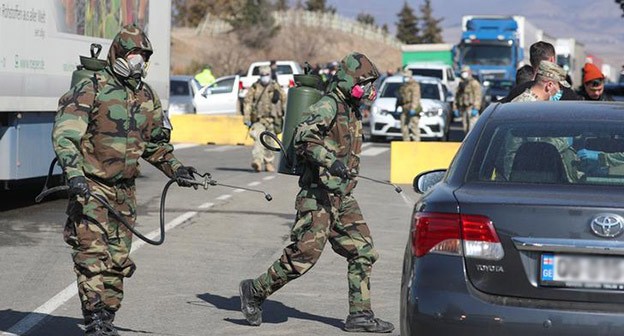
[[540, 51], [593, 84]]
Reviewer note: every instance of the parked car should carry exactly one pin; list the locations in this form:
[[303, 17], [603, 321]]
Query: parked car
[[181, 92], [444, 72], [435, 116], [220, 97], [521, 235]]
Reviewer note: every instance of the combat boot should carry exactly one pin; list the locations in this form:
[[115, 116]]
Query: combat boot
[[269, 167], [367, 322], [256, 166], [100, 323], [250, 302]]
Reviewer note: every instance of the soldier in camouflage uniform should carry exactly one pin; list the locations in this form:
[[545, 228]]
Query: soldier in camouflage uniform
[[328, 144], [468, 99], [409, 100], [264, 107], [104, 124]]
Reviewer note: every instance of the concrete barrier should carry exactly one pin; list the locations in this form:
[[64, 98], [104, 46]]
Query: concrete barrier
[[408, 159], [209, 129]]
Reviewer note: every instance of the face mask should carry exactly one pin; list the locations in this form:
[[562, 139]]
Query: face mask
[[265, 79], [133, 66], [464, 75], [556, 96]]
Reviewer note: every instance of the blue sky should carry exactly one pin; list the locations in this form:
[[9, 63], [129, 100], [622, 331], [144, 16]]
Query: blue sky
[[598, 23]]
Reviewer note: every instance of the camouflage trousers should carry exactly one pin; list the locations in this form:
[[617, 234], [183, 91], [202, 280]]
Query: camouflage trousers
[[468, 121], [259, 153], [410, 128], [322, 217], [101, 245]]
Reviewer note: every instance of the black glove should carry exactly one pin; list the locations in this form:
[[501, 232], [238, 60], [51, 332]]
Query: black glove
[[183, 175], [78, 187], [339, 169], [276, 97]]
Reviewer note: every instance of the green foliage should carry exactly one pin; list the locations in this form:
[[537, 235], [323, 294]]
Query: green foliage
[[407, 27], [431, 31], [319, 6], [366, 18]]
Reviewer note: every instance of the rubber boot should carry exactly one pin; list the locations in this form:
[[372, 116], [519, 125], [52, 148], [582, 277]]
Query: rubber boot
[[269, 167], [250, 303], [367, 322], [256, 166], [100, 323]]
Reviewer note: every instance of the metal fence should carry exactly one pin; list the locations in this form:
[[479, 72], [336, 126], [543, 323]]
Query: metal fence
[[213, 26]]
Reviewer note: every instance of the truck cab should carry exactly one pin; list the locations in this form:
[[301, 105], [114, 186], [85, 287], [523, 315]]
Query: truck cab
[[491, 47]]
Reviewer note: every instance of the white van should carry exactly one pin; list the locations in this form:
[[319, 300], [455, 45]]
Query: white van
[[439, 70]]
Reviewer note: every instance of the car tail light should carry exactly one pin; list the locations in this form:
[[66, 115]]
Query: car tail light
[[291, 83], [447, 233], [240, 85]]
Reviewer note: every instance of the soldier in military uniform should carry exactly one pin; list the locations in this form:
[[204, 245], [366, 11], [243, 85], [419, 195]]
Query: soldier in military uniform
[[104, 124], [468, 99], [264, 107], [409, 100], [328, 143]]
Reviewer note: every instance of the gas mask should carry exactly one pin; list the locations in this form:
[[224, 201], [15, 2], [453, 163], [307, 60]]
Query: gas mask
[[366, 93], [133, 66], [265, 79]]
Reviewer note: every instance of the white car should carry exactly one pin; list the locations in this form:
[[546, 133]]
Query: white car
[[220, 97], [182, 89], [435, 116]]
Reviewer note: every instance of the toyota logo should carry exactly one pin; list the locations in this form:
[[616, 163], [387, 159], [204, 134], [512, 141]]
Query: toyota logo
[[607, 225]]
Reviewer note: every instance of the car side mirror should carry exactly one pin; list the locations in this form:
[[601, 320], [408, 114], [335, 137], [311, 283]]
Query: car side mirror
[[206, 93], [424, 181]]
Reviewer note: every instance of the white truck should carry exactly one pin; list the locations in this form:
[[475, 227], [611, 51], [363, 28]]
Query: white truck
[[571, 57], [41, 44], [285, 76]]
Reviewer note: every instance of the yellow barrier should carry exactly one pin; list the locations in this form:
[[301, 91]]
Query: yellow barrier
[[209, 129], [408, 159]]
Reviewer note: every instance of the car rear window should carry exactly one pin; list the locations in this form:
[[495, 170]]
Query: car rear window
[[572, 152], [427, 90], [437, 73], [282, 69], [179, 88]]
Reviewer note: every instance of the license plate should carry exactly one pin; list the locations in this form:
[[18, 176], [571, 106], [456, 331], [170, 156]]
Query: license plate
[[397, 124], [566, 270]]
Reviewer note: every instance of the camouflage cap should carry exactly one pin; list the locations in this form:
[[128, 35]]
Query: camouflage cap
[[264, 70], [465, 68], [355, 68], [130, 37], [551, 71]]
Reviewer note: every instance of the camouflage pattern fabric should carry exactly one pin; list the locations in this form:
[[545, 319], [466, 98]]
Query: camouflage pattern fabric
[[104, 124], [410, 97], [468, 96], [101, 245], [322, 217], [526, 96], [326, 210], [260, 110]]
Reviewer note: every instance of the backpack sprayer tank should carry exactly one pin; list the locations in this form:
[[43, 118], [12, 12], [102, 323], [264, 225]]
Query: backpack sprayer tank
[[306, 92], [88, 65]]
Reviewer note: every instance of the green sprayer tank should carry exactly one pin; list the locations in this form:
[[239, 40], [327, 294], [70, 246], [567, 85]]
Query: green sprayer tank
[[307, 91], [88, 65]]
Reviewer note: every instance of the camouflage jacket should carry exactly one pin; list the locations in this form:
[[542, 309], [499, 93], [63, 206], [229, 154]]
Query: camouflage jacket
[[468, 94], [103, 127], [332, 132], [259, 102], [410, 96]]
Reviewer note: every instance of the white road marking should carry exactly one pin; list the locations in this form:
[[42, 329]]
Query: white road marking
[[374, 151], [239, 190], [266, 178], [220, 148], [366, 144], [224, 197], [184, 145], [253, 184], [31, 320], [206, 205]]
